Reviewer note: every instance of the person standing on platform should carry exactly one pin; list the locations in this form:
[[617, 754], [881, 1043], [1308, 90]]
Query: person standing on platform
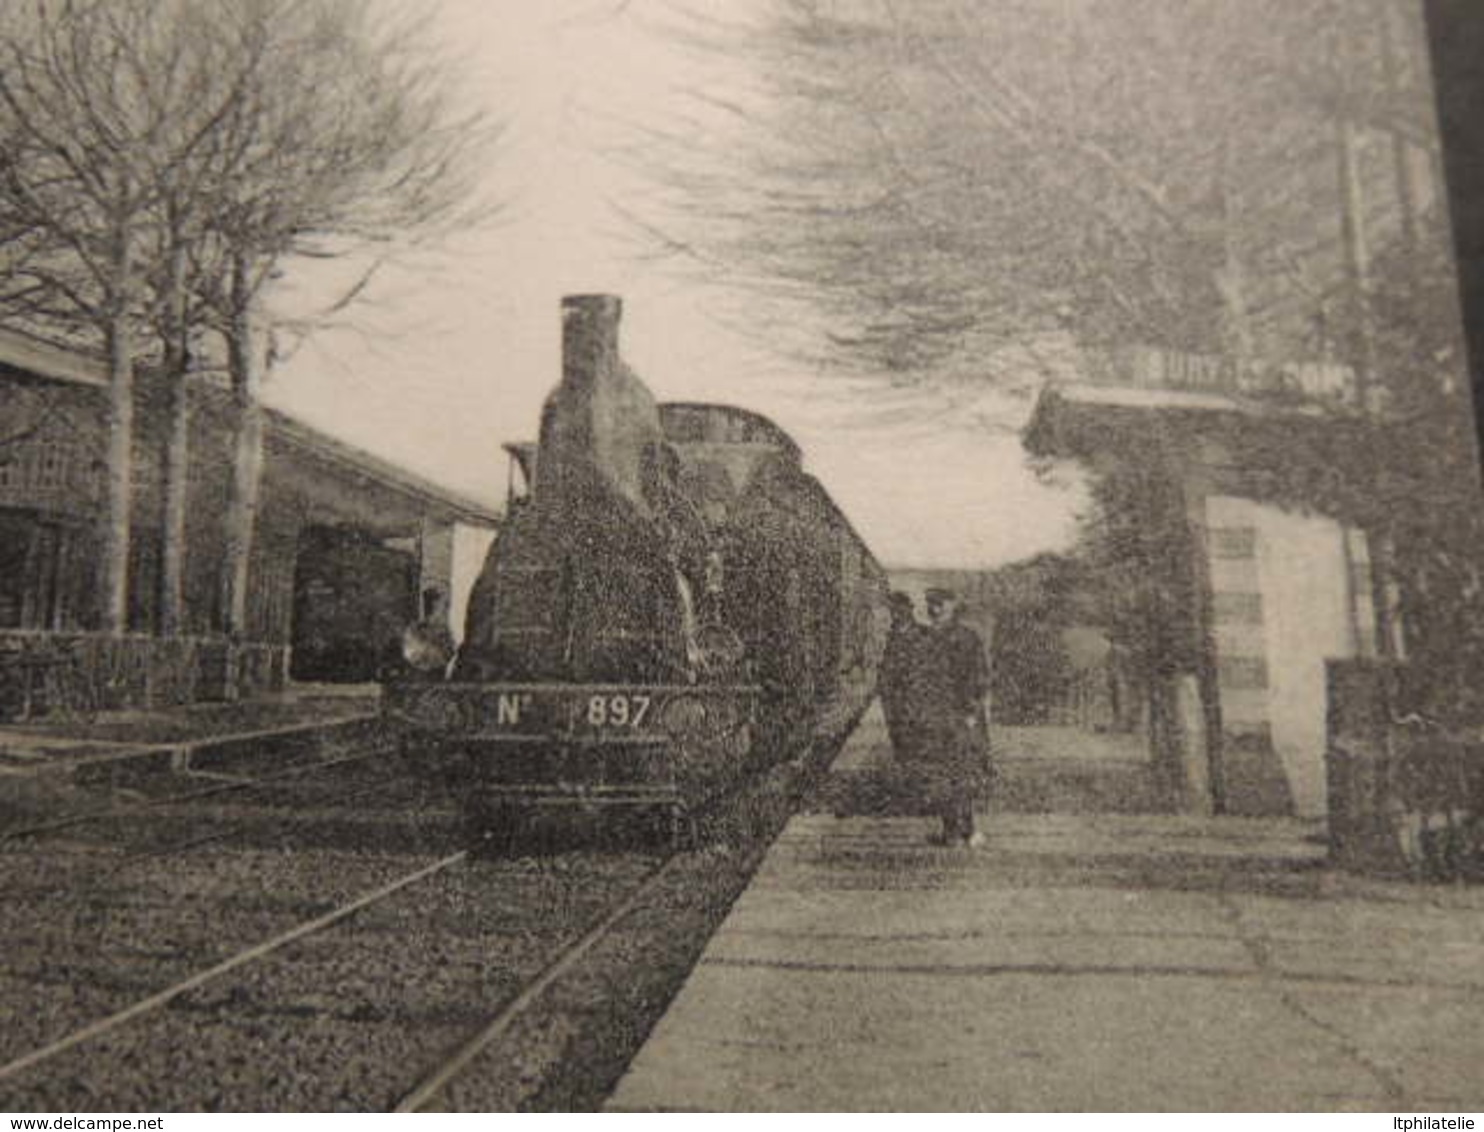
[[898, 677], [898, 685], [954, 729]]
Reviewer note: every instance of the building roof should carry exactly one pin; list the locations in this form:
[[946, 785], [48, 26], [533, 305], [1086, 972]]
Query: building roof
[[1129, 397], [1077, 420], [24, 352], [283, 427]]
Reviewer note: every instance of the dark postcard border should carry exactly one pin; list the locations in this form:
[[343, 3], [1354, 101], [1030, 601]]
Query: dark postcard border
[[1456, 34]]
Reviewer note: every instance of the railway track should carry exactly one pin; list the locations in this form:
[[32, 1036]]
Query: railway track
[[427, 1092], [126, 807], [412, 980], [223, 1010], [164, 997], [178, 822], [124, 895], [123, 888], [281, 821]]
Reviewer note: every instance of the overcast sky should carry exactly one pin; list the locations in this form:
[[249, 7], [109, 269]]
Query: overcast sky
[[451, 356]]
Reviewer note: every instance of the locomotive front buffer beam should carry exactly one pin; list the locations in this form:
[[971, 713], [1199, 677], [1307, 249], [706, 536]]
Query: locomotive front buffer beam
[[534, 749]]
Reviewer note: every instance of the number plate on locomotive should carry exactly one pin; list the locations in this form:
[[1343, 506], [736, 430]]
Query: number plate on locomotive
[[614, 711], [495, 711]]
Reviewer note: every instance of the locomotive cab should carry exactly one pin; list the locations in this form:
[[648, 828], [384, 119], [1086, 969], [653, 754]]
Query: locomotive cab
[[520, 473]]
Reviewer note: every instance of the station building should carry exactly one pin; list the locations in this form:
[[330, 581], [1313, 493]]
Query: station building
[[1266, 591], [345, 542]]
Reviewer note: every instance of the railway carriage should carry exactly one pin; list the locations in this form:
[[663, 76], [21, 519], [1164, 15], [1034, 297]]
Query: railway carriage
[[671, 606]]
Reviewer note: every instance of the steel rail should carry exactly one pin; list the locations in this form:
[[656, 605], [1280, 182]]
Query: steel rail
[[70, 820], [242, 958], [238, 826], [434, 1083]]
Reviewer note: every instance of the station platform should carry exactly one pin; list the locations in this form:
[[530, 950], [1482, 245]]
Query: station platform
[[1112, 961], [119, 749]]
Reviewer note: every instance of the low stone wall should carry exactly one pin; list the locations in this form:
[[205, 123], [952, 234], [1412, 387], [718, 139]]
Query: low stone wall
[[49, 674]]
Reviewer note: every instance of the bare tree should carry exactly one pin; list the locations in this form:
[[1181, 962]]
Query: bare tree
[[160, 162], [913, 185], [215, 68], [347, 137], [88, 117], [917, 183]]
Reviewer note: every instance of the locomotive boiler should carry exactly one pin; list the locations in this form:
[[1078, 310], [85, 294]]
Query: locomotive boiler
[[671, 606]]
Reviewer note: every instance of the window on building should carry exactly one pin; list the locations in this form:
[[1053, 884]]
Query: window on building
[[144, 579], [47, 572], [1233, 542], [15, 554]]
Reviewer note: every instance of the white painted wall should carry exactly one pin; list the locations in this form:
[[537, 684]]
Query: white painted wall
[[1301, 561], [435, 557], [470, 545], [1302, 573]]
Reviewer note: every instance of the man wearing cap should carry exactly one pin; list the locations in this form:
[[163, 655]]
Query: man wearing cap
[[954, 732]]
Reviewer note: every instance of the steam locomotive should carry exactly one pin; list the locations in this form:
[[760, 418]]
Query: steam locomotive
[[670, 607]]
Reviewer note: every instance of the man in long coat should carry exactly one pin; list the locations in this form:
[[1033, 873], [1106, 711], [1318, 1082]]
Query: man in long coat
[[899, 675], [954, 756]]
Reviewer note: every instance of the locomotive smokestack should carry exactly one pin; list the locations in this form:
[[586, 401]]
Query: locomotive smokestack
[[589, 338], [600, 425]]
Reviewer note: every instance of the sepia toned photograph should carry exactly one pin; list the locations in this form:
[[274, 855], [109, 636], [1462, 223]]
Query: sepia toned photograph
[[648, 556]]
